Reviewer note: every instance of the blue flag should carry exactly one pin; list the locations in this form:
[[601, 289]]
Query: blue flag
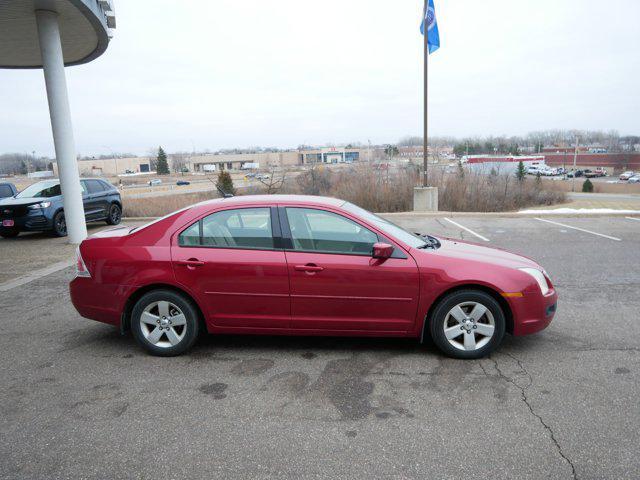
[[433, 37]]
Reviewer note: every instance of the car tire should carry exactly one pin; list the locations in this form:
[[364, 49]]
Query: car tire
[[165, 323], [467, 324], [59, 225], [9, 233], [115, 214]]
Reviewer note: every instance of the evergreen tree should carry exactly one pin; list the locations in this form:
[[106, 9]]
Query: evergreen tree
[[587, 186], [162, 166], [521, 172], [225, 183]]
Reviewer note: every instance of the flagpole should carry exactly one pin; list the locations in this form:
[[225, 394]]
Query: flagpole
[[425, 180]]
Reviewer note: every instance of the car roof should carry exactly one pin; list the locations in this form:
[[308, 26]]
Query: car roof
[[277, 199]]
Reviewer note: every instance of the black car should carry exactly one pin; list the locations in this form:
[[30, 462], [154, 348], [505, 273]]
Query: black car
[[182, 182], [39, 207], [7, 189]]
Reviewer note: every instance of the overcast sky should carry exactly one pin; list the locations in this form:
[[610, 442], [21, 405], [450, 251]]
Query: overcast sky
[[236, 73]]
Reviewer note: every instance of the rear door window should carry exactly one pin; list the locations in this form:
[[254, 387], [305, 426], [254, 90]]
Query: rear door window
[[94, 186], [237, 228]]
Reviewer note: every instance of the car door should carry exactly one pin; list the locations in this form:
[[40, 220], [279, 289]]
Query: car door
[[97, 199], [91, 208], [233, 260], [336, 285]]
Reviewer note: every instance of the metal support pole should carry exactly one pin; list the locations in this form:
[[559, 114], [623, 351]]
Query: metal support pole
[[54, 77], [425, 180]]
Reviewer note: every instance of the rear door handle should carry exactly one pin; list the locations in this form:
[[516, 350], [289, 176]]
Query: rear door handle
[[309, 267], [192, 262]]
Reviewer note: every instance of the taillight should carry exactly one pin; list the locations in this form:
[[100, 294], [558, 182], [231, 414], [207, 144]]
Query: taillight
[[81, 268]]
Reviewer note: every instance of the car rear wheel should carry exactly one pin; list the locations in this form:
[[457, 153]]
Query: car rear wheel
[[59, 225], [164, 323], [467, 324], [9, 232], [115, 214]]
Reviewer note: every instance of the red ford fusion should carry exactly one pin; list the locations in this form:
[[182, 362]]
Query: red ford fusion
[[301, 265]]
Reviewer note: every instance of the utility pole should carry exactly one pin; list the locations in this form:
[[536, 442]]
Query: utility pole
[[575, 158], [425, 180]]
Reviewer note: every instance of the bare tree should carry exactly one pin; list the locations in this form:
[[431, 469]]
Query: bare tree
[[273, 181]]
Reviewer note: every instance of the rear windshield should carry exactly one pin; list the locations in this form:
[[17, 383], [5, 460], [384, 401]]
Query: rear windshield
[[141, 227], [45, 189]]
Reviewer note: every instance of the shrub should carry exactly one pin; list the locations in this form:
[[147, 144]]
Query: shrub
[[587, 186], [225, 183]]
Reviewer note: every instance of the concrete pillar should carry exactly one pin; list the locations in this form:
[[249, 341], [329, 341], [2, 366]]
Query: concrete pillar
[[425, 199], [54, 77]]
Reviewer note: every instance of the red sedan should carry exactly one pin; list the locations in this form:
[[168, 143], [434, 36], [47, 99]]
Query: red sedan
[[298, 265]]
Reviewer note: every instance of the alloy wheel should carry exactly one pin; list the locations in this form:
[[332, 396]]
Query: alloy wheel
[[469, 326], [61, 225], [116, 214], [163, 324]]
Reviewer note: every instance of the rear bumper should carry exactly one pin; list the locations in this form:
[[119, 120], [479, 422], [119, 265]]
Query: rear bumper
[[533, 312], [96, 301]]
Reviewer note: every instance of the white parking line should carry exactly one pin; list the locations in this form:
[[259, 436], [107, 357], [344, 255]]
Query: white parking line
[[579, 229], [35, 275], [467, 230], [633, 218]]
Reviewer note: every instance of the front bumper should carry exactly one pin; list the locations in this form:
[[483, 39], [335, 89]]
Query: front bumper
[[33, 221], [533, 311]]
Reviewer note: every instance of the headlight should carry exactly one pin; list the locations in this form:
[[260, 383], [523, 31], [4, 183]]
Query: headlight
[[540, 278], [39, 206]]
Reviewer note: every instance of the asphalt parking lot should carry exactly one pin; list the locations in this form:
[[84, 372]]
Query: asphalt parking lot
[[80, 401]]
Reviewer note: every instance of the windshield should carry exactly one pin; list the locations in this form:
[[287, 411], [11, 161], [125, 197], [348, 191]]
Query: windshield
[[386, 226], [46, 189]]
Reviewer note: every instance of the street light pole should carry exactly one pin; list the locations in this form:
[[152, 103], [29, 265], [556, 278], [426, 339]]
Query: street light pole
[[60, 113]]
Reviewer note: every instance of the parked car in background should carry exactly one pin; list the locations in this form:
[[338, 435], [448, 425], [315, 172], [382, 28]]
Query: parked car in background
[[635, 179], [39, 207], [304, 265], [155, 182], [575, 174], [263, 176], [182, 183], [627, 175], [7, 189], [598, 172]]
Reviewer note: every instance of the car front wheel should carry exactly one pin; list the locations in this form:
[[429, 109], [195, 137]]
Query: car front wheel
[[59, 225], [467, 324], [164, 323]]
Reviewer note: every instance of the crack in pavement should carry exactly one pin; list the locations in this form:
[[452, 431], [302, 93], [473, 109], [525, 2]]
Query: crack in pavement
[[523, 395]]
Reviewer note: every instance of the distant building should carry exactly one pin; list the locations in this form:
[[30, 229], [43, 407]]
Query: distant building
[[333, 155], [111, 166], [505, 164], [612, 162]]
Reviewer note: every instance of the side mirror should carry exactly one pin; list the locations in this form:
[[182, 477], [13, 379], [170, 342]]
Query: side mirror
[[382, 250]]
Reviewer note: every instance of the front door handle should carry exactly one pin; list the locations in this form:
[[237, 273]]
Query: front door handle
[[192, 262], [309, 268]]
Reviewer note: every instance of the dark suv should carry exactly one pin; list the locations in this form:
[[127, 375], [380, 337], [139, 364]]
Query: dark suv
[[7, 189], [39, 208]]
